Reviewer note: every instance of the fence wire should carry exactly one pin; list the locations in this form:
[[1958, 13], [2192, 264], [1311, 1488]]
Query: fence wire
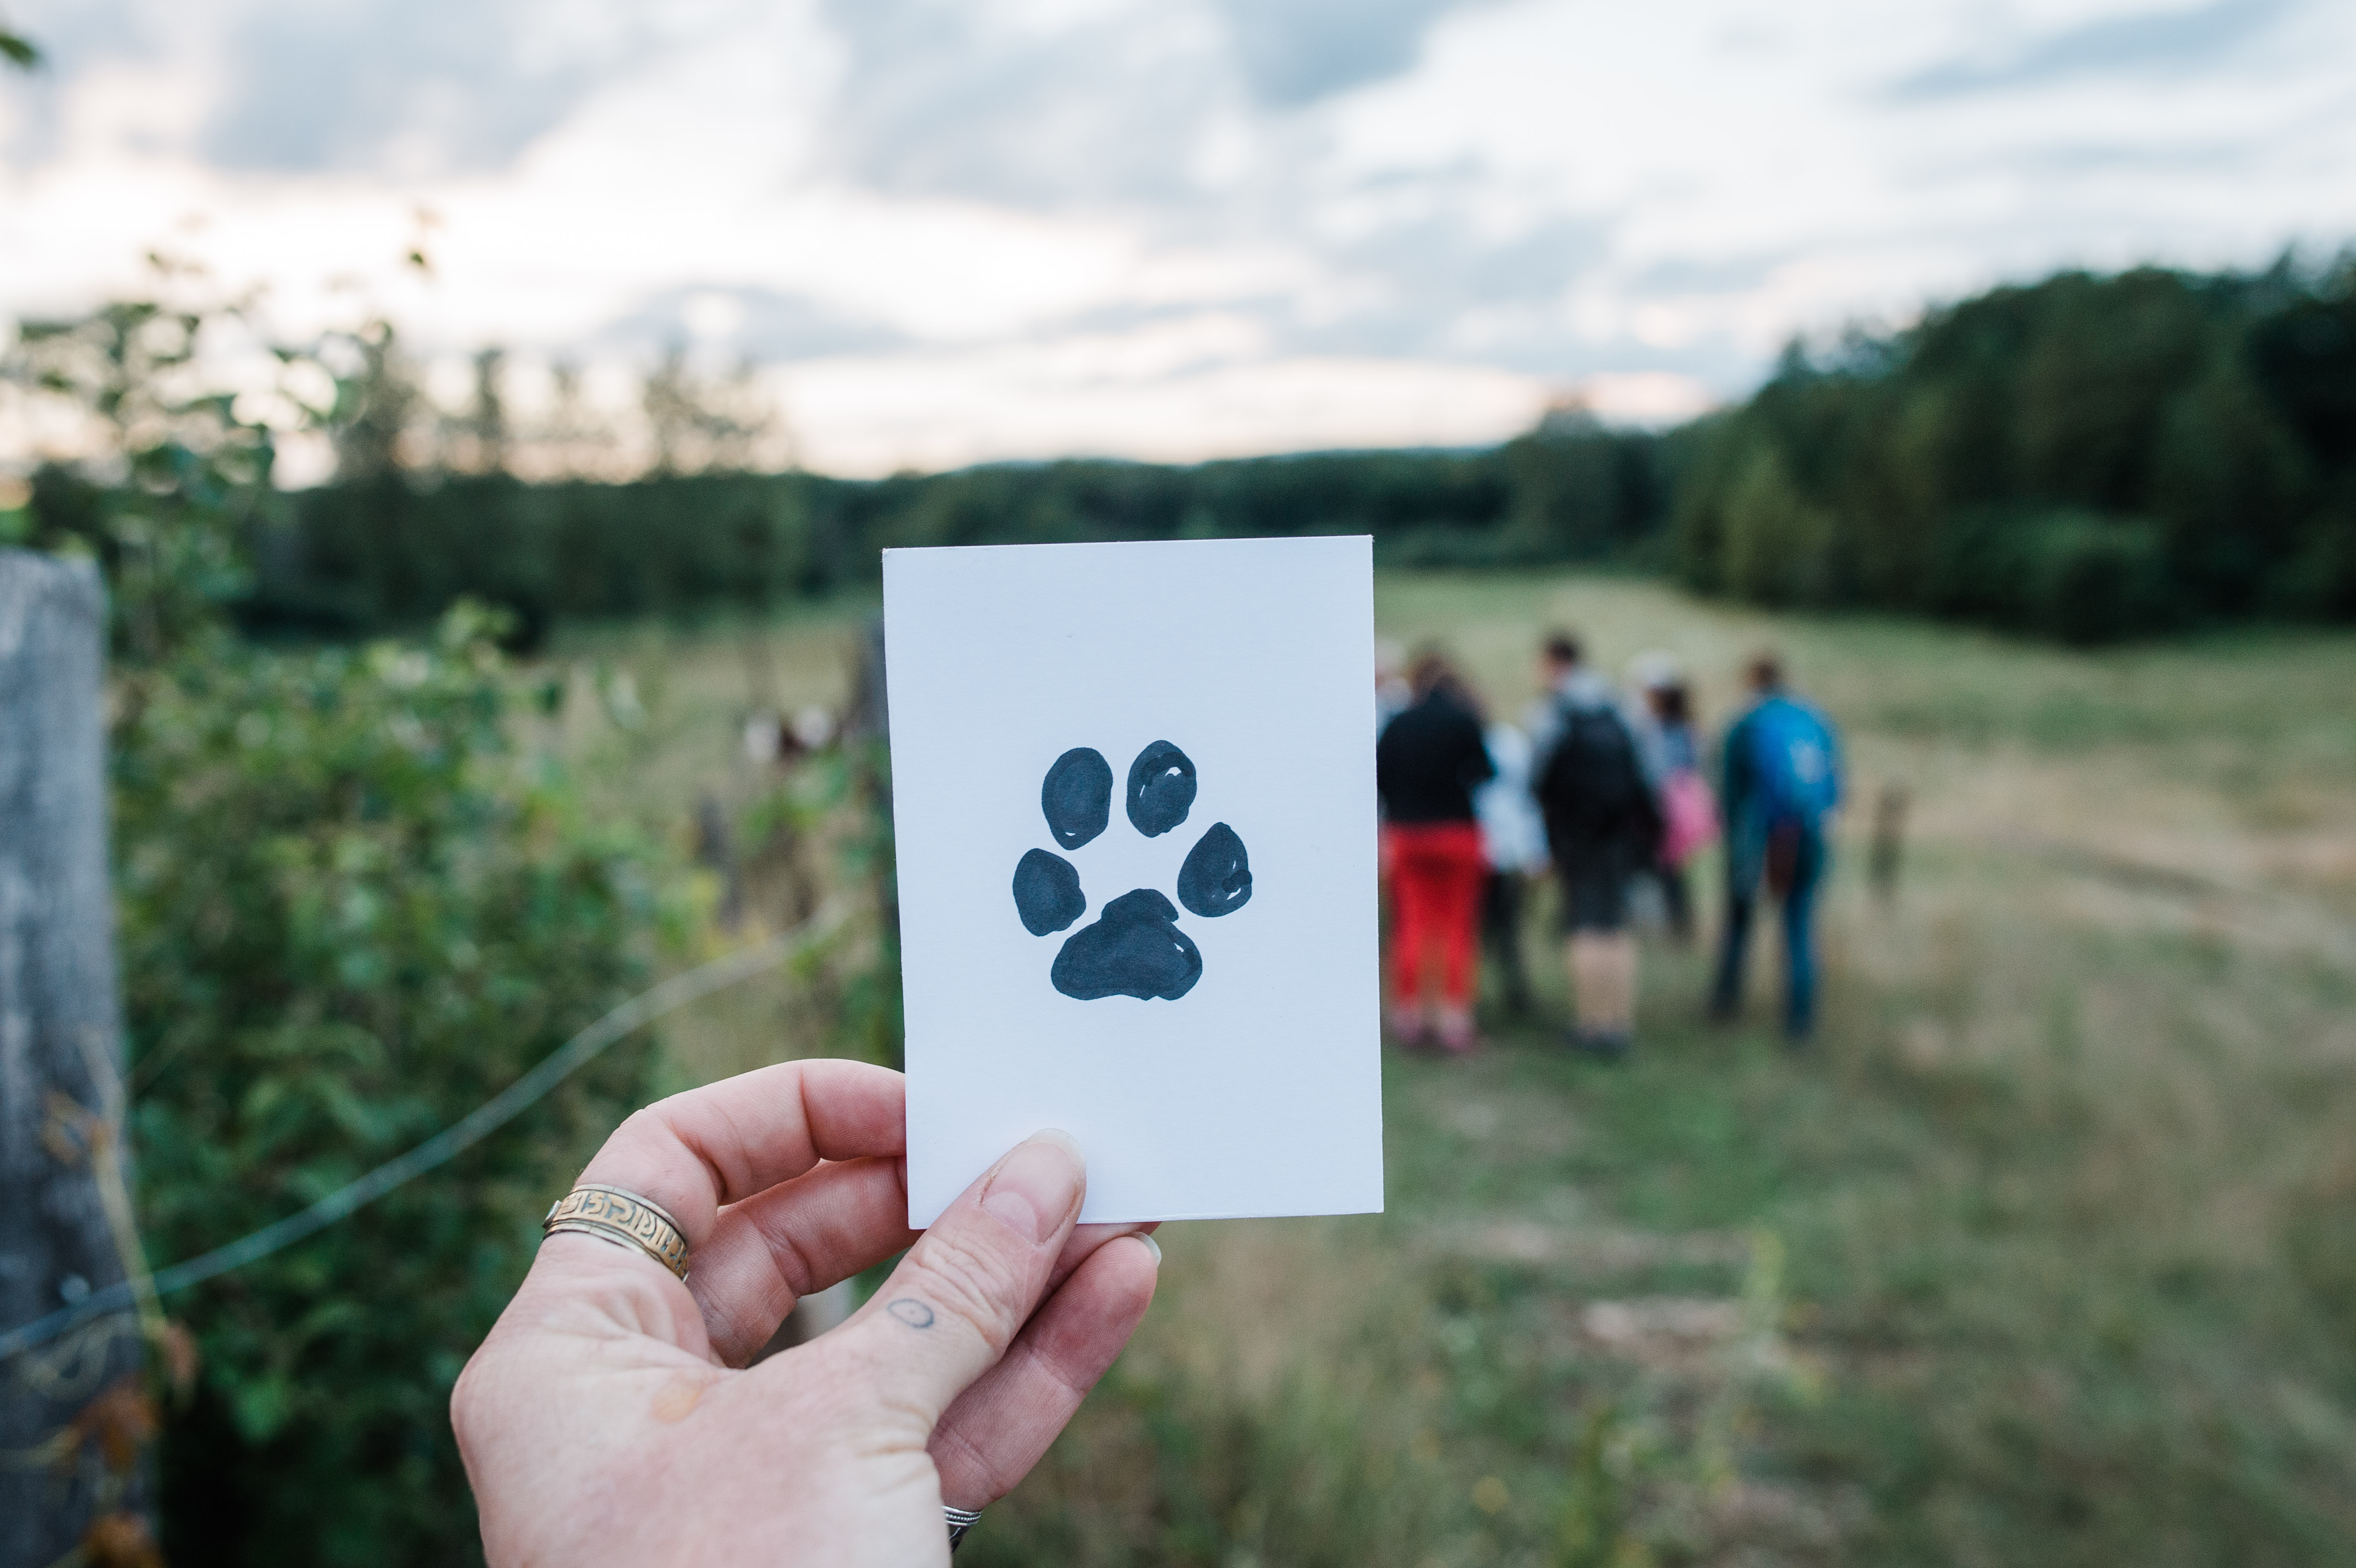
[[460, 1135]]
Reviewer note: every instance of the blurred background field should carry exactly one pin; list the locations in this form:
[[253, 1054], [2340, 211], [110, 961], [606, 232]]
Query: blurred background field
[[2043, 1256]]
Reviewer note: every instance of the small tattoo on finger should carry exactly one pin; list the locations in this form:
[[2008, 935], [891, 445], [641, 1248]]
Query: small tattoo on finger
[[912, 1312]]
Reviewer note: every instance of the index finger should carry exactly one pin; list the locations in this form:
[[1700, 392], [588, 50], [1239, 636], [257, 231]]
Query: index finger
[[722, 1144]]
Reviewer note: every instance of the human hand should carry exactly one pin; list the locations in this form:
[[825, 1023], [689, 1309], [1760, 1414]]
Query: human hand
[[605, 1419]]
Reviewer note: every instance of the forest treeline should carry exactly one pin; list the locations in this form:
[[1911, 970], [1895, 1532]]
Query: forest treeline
[[395, 548], [2087, 457]]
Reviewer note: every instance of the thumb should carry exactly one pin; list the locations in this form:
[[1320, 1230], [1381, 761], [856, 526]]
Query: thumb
[[966, 1288]]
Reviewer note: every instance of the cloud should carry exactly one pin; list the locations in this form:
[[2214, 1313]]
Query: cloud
[[1294, 52], [404, 86], [949, 98], [765, 326], [1434, 285], [964, 227], [1123, 102], [2176, 160], [2151, 42]]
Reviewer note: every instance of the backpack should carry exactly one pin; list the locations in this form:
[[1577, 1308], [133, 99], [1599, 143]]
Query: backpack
[[1688, 816], [1794, 767], [1593, 786]]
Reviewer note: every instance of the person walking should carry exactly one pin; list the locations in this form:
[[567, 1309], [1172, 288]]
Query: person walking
[[1513, 840], [1595, 774], [1427, 762], [1689, 811], [1782, 780]]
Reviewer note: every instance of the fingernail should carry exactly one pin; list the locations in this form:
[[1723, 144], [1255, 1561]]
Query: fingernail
[[1038, 1186], [1151, 1246]]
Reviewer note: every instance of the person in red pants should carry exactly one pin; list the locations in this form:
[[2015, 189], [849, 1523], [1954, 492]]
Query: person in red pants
[[1428, 763]]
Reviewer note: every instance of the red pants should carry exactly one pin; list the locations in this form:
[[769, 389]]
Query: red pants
[[1437, 871]]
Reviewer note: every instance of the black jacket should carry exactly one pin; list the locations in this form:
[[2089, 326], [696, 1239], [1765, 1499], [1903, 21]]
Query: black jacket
[[1429, 762]]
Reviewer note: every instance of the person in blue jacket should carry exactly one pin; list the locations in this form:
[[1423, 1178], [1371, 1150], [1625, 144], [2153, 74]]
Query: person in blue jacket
[[1782, 781]]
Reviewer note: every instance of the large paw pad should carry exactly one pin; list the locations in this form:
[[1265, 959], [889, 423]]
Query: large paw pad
[[1134, 947]]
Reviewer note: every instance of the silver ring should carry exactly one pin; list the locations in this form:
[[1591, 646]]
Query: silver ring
[[960, 1519]]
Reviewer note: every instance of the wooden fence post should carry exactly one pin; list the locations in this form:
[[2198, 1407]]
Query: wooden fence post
[[60, 1052], [1888, 840]]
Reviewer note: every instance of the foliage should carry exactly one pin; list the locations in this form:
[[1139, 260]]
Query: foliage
[[18, 49], [824, 823], [178, 473], [350, 911], [349, 914], [2086, 458], [388, 550]]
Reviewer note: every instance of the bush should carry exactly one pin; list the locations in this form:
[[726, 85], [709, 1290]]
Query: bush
[[350, 912]]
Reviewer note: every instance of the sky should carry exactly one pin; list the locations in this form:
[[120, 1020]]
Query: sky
[[960, 230]]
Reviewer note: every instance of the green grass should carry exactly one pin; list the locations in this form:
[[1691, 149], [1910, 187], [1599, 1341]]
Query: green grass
[[2046, 1255]]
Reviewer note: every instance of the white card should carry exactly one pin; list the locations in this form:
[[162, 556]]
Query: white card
[[1213, 1040]]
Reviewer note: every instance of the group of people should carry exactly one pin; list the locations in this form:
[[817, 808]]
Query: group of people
[[1606, 791]]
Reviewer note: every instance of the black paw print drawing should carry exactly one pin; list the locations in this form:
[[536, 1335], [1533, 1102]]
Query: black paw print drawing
[[1134, 948]]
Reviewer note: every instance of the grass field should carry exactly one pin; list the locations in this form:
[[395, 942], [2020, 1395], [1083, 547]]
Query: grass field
[[2046, 1255]]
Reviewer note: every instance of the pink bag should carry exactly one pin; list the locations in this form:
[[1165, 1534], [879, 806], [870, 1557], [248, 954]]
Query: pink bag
[[1689, 815]]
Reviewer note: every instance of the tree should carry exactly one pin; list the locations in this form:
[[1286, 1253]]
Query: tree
[[2089, 457], [700, 423], [375, 416], [18, 49]]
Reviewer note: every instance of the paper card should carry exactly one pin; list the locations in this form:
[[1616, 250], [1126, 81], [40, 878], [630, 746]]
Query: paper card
[[1133, 793]]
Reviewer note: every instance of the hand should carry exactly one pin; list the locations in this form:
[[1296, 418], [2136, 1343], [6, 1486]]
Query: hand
[[606, 1420]]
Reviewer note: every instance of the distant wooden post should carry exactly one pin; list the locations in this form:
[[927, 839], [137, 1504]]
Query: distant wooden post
[[60, 1048], [1888, 840]]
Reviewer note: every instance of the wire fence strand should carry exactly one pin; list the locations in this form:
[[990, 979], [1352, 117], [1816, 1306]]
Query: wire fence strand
[[460, 1135]]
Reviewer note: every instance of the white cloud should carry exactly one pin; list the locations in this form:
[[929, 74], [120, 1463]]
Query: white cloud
[[1105, 397], [1168, 228]]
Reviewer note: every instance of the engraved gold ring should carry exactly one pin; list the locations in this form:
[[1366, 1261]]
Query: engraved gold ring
[[625, 1219]]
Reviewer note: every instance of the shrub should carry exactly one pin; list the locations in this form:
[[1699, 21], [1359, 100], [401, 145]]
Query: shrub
[[350, 912]]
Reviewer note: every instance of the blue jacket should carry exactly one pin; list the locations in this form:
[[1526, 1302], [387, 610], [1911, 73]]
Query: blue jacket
[[1781, 759]]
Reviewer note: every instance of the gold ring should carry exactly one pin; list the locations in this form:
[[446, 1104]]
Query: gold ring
[[622, 1218]]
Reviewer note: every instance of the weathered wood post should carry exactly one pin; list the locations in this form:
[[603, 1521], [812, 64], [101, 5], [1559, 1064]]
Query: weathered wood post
[[1888, 840], [61, 1049]]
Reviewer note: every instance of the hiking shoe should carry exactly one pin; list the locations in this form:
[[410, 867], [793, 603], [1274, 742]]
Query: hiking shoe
[[1601, 1044], [1457, 1035]]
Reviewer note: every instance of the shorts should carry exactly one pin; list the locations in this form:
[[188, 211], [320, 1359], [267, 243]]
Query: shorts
[[1595, 881]]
